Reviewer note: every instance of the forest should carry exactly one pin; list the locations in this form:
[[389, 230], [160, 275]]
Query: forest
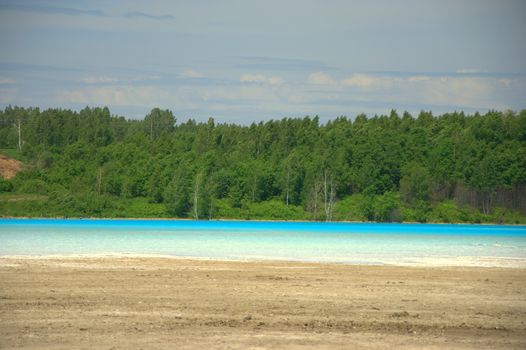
[[387, 168]]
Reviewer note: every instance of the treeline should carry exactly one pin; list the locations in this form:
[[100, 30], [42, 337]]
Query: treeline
[[447, 168]]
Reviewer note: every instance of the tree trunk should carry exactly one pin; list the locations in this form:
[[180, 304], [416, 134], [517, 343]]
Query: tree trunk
[[254, 185], [314, 198], [329, 195], [288, 179], [19, 130], [99, 181], [486, 202], [196, 196]]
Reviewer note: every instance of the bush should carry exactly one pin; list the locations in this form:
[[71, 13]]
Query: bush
[[33, 186], [351, 208], [222, 209], [387, 207], [504, 215], [448, 212], [422, 211], [5, 185], [275, 209], [138, 208], [66, 204]]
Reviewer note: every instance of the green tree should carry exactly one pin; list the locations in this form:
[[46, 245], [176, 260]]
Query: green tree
[[177, 197], [416, 183]]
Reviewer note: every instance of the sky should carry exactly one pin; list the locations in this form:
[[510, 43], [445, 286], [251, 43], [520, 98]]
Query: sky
[[244, 61]]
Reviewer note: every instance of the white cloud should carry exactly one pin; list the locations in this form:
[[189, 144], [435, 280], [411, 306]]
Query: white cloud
[[418, 78], [253, 78], [104, 79], [421, 90], [180, 97], [7, 81], [359, 80], [505, 82], [125, 95], [369, 81], [261, 79], [189, 73], [320, 78], [276, 80], [457, 91], [321, 94], [467, 71], [99, 80], [8, 95]]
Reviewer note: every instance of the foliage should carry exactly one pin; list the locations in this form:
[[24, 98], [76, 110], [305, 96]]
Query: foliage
[[449, 212], [5, 185], [448, 168], [275, 210]]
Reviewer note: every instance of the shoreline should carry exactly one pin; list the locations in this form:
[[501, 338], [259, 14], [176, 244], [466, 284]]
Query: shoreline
[[482, 262], [256, 220]]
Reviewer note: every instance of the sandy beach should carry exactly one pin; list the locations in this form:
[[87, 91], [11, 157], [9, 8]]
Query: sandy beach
[[158, 303]]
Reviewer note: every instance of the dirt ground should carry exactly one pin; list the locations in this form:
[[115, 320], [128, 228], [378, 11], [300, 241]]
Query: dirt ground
[[9, 167], [155, 303]]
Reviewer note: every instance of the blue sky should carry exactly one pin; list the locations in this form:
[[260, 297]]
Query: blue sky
[[244, 61]]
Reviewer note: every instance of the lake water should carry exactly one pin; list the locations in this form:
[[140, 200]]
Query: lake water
[[363, 243]]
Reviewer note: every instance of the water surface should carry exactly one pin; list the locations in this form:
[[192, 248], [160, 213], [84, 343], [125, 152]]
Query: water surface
[[365, 243]]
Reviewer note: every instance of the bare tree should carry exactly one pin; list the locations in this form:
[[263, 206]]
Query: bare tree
[[329, 195], [19, 130], [314, 198], [99, 181], [196, 195], [288, 184]]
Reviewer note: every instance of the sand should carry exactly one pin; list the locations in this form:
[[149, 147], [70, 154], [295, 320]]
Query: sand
[[156, 303]]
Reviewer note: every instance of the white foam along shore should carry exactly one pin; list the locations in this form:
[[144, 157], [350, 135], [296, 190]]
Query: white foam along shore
[[431, 261]]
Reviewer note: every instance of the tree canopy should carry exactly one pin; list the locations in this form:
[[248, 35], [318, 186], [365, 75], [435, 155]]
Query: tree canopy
[[383, 168]]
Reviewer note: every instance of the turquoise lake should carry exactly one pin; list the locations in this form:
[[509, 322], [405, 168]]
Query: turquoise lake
[[361, 243]]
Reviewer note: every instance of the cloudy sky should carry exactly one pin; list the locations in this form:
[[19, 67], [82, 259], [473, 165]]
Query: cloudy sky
[[244, 61]]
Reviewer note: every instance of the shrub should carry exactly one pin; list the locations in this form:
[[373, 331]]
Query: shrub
[[5, 185], [33, 186]]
